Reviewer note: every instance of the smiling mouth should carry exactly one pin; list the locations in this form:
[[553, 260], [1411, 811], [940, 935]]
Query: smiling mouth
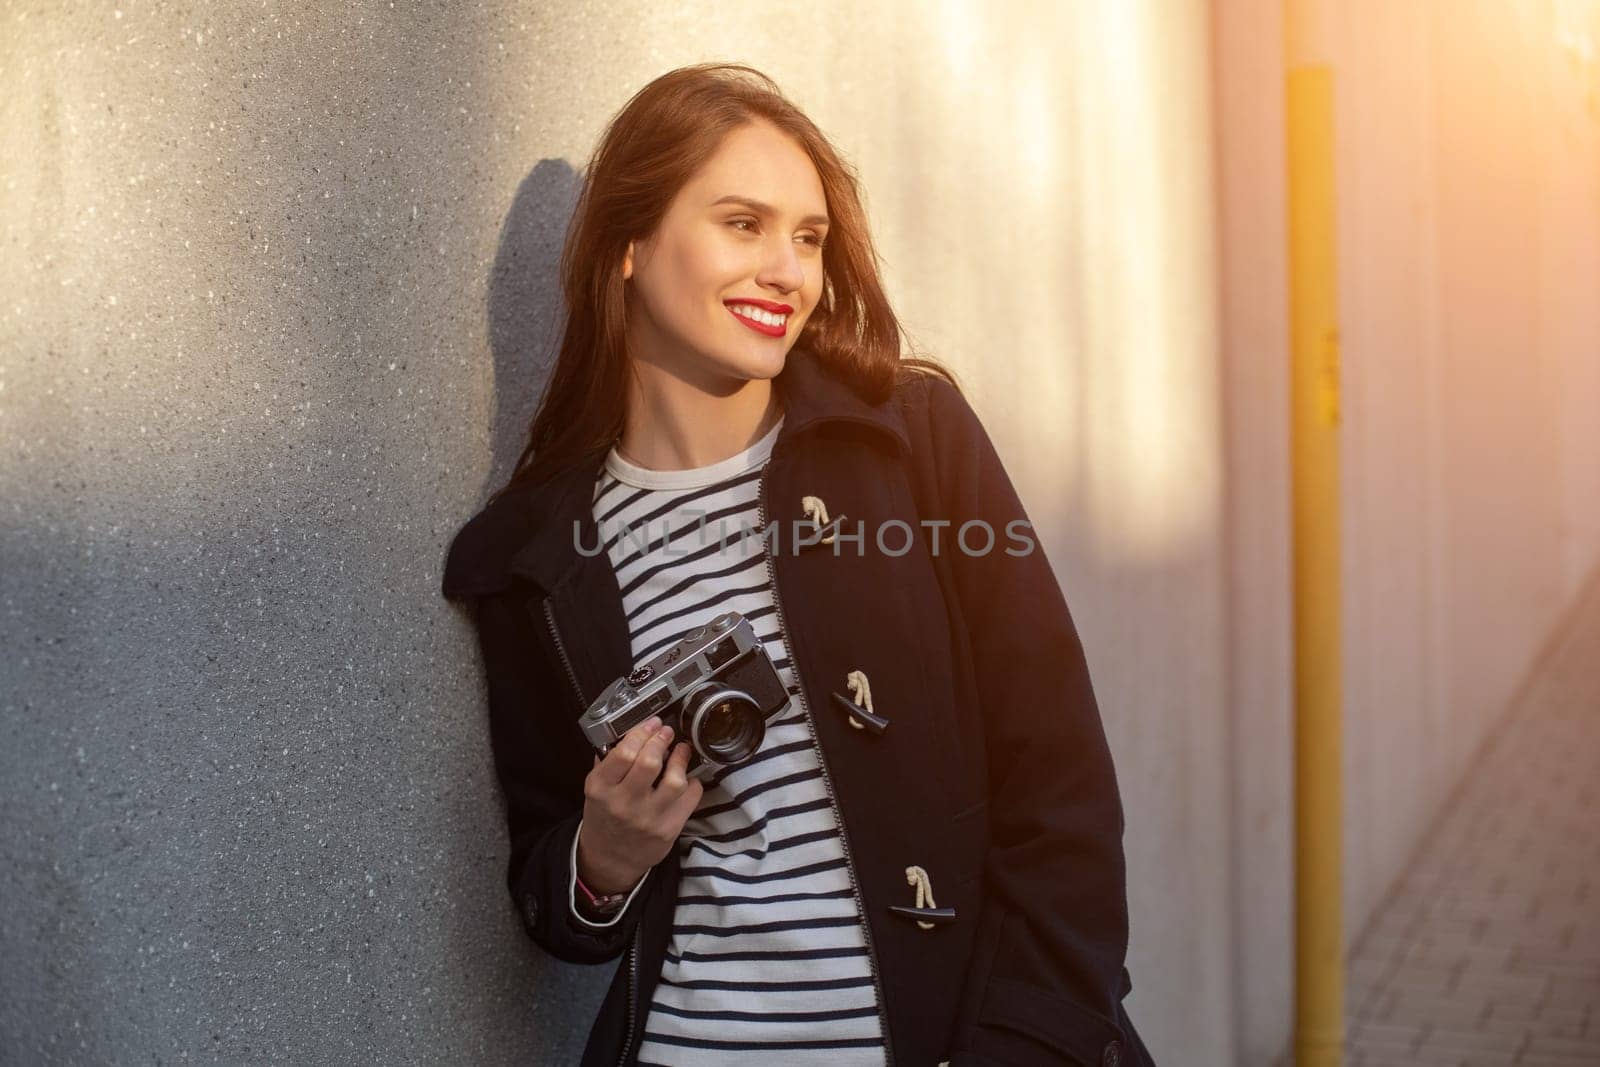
[[766, 323]]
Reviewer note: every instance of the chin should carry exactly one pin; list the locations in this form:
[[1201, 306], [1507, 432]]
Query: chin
[[756, 365]]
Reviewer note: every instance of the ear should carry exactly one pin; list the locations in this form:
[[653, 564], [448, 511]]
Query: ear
[[627, 262]]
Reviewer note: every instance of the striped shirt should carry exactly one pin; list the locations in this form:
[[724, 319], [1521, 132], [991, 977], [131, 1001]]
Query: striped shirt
[[767, 953]]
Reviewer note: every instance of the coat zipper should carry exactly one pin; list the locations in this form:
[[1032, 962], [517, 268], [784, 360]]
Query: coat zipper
[[561, 650], [633, 983], [822, 761], [632, 962]]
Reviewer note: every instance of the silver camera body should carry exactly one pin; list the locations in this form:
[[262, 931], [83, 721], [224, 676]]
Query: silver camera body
[[716, 687]]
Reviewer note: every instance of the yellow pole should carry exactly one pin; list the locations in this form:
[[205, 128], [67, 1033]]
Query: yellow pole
[[1314, 431]]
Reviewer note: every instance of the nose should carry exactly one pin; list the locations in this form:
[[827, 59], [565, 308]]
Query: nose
[[781, 269]]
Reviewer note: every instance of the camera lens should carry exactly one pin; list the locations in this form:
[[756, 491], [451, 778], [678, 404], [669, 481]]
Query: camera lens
[[727, 726]]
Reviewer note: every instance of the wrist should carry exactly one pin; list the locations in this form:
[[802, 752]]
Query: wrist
[[598, 882], [594, 904]]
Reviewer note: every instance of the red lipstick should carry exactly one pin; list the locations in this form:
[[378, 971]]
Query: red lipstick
[[764, 305], [761, 327]]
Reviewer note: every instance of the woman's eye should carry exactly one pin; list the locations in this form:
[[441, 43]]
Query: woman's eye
[[811, 237]]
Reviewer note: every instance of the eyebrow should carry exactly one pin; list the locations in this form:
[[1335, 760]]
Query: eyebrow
[[767, 209]]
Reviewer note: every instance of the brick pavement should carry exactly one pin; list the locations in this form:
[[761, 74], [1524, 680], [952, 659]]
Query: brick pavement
[[1487, 951]]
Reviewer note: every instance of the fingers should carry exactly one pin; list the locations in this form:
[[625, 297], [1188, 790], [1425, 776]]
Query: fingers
[[676, 776], [620, 757], [677, 813], [649, 760], [645, 753]]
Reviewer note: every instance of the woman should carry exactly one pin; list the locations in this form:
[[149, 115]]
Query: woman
[[923, 861]]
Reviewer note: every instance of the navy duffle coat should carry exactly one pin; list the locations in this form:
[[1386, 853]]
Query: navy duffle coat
[[988, 766]]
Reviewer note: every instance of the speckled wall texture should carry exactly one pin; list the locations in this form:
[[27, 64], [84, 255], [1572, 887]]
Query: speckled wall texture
[[275, 304]]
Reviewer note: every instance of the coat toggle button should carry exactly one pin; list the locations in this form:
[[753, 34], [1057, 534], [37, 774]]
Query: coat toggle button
[[862, 717], [817, 512], [924, 914]]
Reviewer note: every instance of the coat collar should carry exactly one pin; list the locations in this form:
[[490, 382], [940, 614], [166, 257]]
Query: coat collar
[[812, 394]]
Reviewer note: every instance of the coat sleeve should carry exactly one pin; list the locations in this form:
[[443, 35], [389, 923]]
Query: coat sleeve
[[1050, 989], [541, 768]]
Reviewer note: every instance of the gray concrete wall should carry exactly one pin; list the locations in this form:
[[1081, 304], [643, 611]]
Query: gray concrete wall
[[1468, 147], [276, 303]]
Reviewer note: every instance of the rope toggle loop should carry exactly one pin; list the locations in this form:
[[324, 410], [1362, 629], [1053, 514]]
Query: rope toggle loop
[[918, 877], [858, 705], [817, 512]]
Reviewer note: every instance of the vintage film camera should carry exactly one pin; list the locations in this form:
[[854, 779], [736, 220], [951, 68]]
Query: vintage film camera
[[716, 688]]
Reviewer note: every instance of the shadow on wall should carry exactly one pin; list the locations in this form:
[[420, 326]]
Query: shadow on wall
[[526, 311], [526, 308]]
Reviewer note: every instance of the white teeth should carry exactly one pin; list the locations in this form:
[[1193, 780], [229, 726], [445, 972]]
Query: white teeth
[[765, 317]]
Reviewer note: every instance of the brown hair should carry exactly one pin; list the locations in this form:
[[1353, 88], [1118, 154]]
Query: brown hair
[[648, 152]]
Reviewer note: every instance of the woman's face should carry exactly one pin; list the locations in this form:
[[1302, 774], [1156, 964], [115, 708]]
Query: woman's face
[[713, 250]]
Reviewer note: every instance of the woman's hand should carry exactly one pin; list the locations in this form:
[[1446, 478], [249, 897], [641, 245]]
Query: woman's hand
[[630, 823]]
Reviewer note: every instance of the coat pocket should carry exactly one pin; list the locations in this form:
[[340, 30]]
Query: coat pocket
[[1068, 1028]]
